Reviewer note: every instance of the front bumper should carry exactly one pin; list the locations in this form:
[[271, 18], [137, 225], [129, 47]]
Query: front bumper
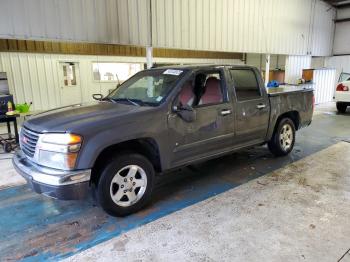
[[65, 185]]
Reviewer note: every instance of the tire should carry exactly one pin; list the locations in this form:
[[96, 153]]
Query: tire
[[7, 147], [341, 107], [125, 185], [283, 138]]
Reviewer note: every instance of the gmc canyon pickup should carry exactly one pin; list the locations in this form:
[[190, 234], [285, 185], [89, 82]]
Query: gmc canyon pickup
[[159, 119]]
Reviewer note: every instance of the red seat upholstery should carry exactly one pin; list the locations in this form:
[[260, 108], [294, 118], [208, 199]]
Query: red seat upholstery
[[186, 95], [212, 93]]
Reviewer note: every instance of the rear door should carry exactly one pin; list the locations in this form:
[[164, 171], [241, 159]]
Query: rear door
[[213, 129], [252, 107]]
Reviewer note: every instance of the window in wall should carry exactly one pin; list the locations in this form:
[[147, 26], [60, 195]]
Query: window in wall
[[69, 74], [246, 84], [114, 72]]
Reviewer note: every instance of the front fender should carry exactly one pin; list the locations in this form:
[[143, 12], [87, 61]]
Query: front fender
[[95, 144]]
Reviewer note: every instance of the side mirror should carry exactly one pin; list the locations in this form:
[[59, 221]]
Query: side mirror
[[186, 112], [97, 97]]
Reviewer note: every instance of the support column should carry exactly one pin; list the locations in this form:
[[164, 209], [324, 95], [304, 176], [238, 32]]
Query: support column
[[149, 56], [267, 69]]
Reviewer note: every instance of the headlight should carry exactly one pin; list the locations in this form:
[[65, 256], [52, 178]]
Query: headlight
[[59, 150]]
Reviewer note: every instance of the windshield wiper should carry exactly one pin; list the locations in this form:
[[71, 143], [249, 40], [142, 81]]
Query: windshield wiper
[[108, 99], [135, 102]]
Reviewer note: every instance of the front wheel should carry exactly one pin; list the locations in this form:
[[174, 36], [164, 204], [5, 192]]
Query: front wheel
[[283, 138], [126, 184]]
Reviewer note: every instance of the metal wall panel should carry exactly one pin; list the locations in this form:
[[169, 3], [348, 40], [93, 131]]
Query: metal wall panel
[[340, 63], [35, 77], [295, 27], [102, 21], [322, 29], [343, 13], [294, 67], [269, 26], [258, 60], [324, 80], [342, 39]]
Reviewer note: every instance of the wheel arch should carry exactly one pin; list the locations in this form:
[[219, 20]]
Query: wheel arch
[[147, 147], [293, 115]]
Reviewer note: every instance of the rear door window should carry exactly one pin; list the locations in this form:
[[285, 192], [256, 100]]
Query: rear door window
[[245, 84]]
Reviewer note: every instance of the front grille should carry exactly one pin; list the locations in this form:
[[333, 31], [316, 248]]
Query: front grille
[[28, 141]]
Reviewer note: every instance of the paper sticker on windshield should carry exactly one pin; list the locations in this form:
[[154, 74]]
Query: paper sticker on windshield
[[172, 72], [159, 98]]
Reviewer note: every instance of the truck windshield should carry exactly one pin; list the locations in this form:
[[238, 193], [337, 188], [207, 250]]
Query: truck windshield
[[148, 87]]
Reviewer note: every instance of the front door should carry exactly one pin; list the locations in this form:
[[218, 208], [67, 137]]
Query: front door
[[212, 130], [69, 83], [252, 108]]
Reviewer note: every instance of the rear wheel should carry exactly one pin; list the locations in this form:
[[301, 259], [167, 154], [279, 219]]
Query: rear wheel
[[341, 107], [283, 138], [126, 184]]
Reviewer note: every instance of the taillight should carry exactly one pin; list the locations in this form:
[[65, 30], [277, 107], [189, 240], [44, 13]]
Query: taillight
[[342, 87]]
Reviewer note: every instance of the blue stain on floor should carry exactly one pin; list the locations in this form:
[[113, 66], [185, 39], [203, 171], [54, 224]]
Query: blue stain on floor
[[37, 228]]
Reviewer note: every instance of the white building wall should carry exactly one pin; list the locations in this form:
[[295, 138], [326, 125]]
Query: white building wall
[[342, 36], [322, 29], [259, 61], [36, 77], [295, 27], [340, 63], [317, 62], [294, 67], [103, 21], [343, 13], [270, 26]]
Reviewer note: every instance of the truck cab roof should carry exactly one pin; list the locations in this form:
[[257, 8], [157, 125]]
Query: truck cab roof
[[196, 67]]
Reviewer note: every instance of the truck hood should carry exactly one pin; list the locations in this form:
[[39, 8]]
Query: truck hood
[[77, 117]]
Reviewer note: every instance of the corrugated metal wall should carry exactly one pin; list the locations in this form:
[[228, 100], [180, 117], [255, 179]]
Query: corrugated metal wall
[[259, 61], [102, 21], [35, 77], [322, 29], [342, 39], [252, 26], [340, 63], [341, 35], [269, 26], [294, 67], [324, 80]]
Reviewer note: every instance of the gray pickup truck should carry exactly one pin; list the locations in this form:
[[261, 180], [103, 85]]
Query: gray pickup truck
[[159, 119]]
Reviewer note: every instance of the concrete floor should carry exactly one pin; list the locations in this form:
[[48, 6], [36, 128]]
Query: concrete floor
[[298, 212], [246, 206]]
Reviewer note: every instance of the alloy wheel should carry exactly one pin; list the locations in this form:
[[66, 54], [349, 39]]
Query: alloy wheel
[[128, 185]]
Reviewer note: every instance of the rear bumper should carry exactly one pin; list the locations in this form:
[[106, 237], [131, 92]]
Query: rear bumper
[[342, 96], [65, 185]]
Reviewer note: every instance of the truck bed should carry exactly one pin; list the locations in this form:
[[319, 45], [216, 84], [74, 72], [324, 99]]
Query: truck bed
[[291, 99], [289, 89]]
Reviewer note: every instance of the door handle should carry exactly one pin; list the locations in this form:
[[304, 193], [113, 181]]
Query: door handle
[[225, 112], [260, 106]]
